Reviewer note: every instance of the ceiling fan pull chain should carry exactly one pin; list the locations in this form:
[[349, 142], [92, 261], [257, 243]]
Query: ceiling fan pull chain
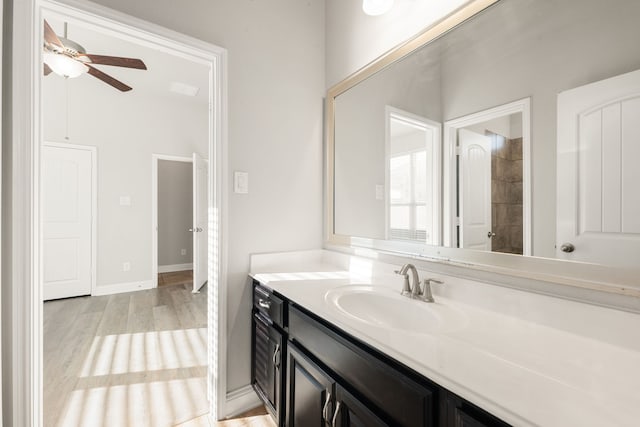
[[66, 84]]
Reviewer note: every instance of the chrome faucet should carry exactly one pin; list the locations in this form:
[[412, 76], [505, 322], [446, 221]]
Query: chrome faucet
[[427, 296], [414, 288]]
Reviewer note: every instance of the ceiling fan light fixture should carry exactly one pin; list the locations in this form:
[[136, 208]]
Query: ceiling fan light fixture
[[376, 7], [63, 65]]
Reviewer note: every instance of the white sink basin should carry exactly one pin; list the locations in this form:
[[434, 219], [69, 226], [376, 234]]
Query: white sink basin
[[386, 308]]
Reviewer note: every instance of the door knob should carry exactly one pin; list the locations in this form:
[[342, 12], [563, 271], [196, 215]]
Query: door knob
[[567, 247], [491, 234]]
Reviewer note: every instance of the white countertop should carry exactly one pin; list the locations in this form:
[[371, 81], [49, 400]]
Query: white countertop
[[522, 371]]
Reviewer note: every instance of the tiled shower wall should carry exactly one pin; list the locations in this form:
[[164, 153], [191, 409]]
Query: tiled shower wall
[[506, 194]]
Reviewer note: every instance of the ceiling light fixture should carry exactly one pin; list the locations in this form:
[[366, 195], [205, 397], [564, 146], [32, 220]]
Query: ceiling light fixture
[[64, 65], [376, 7]]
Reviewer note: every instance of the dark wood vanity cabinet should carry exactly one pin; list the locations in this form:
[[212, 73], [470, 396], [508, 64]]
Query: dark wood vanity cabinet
[[310, 373], [310, 391], [315, 398], [460, 413], [268, 343]]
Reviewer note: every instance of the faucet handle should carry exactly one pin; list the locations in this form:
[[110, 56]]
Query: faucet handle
[[427, 296], [406, 289]]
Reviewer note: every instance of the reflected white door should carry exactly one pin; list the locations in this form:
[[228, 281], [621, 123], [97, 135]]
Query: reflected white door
[[599, 172], [200, 221], [67, 210], [475, 190]]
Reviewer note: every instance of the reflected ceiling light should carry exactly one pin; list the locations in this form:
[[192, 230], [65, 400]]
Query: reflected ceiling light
[[376, 7], [64, 65]]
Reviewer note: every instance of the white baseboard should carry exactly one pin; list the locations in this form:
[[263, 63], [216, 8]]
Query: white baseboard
[[241, 400], [174, 267], [118, 288]]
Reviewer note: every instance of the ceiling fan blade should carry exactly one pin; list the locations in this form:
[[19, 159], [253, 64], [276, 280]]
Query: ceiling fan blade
[[47, 70], [107, 79], [50, 35], [116, 61]]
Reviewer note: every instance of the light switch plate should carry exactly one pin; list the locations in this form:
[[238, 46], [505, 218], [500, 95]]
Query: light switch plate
[[125, 200], [241, 182], [379, 192]]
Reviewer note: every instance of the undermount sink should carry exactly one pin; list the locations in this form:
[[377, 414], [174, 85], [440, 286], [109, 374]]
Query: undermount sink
[[386, 308]]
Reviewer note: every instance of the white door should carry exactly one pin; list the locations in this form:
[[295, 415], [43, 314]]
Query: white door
[[67, 211], [598, 198], [200, 219], [475, 190]]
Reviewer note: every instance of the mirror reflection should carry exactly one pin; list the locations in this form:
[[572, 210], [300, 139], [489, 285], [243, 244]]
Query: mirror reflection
[[511, 133]]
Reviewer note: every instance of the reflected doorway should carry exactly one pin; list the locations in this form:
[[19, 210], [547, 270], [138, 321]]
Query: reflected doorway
[[487, 181]]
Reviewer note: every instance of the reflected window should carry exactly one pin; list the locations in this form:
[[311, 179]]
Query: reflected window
[[412, 177]]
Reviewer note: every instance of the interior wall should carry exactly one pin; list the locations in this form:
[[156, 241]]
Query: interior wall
[[127, 128], [354, 39], [361, 131], [175, 213], [276, 87]]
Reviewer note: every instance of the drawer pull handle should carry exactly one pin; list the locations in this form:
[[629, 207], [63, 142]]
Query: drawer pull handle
[[326, 410], [264, 304], [276, 356], [335, 415]]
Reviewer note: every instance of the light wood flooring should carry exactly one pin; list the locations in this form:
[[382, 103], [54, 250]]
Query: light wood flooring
[[257, 417], [176, 278], [134, 359]]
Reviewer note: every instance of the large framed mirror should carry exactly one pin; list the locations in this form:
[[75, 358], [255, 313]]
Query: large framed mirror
[[505, 135]]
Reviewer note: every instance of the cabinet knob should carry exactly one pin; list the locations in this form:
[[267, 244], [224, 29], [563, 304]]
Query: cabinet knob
[[491, 234]]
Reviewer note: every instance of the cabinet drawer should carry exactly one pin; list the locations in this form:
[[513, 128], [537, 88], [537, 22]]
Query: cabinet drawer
[[401, 399], [268, 304]]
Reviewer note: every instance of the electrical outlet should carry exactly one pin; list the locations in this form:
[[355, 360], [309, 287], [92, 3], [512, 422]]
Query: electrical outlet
[[126, 266], [183, 251]]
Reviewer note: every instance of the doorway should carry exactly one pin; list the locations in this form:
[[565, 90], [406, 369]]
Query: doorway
[[26, 351], [179, 225], [487, 180]]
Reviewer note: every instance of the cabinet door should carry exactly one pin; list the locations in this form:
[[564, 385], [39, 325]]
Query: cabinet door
[[460, 413], [351, 412], [267, 366], [309, 392]]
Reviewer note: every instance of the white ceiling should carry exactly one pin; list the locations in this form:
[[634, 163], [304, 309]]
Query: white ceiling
[[162, 68]]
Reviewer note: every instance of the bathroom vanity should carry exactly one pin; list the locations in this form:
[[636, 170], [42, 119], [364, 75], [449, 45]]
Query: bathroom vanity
[[354, 351], [330, 377]]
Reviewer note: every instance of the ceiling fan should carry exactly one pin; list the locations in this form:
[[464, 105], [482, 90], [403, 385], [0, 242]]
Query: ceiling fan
[[68, 59]]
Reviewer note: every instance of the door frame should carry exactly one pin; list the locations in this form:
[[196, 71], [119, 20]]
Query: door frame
[[94, 200], [449, 161], [24, 403], [424, 123], [154, 209]]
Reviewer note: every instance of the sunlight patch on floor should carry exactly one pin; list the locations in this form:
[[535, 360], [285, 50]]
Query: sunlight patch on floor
[[129, 405], [146, 351]]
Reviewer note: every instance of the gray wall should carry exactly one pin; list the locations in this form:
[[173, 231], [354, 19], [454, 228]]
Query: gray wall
[[276, 86], [127, 128], [360, 139], [175, 212], [354, 39]]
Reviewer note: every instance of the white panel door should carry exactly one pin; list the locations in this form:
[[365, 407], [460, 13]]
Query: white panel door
[[599, 172], [200, 221], [67, 205], [475, 190]]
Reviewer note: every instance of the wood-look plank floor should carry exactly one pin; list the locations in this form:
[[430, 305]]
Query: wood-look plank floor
[[133, 359], [257, 417], [176, 278]]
